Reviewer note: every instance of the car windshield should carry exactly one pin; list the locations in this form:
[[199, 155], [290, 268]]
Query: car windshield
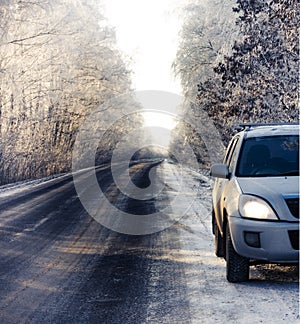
[[269, 156]]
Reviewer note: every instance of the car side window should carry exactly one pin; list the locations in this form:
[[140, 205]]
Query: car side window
[[234, 155], [231, 153]]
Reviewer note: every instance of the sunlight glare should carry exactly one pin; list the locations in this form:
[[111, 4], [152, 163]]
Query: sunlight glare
[[157, 119], [147, 32]]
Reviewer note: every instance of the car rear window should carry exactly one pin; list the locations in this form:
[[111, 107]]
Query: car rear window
[[269, 156]]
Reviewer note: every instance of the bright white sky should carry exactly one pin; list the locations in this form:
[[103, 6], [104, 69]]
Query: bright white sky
[[147, 32]]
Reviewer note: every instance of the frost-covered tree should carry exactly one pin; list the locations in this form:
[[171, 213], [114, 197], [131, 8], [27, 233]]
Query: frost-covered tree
[[58, 61], [208, 31], [257, 80], [262, 72]]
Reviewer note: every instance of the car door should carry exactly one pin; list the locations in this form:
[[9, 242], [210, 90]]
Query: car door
[[229, 159]]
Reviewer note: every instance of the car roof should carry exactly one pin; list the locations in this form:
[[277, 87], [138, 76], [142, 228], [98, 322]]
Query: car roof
[[260, 130]]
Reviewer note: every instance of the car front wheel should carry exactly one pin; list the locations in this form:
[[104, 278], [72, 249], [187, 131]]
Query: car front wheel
[[237, 266]]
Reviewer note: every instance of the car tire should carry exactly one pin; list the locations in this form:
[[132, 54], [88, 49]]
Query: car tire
[[237, 266], [219, 242]]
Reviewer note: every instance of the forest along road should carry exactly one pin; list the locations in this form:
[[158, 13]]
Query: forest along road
[[58, 265]]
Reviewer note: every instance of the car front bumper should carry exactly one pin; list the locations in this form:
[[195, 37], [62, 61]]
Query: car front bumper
[[278, 242]]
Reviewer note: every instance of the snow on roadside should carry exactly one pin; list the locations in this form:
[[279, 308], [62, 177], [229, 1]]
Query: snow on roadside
[[270, 296], [17, 187]]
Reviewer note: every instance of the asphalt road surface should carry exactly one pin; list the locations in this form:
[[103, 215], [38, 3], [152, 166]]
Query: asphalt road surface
[[59, 265]]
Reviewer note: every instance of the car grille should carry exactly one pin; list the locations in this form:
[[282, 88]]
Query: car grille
[[293, 204], [294, 238]]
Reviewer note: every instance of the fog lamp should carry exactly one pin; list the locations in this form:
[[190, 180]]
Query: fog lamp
[[252, 239]]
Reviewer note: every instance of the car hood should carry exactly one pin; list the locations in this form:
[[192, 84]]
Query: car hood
[[261, 186], [272, 189]]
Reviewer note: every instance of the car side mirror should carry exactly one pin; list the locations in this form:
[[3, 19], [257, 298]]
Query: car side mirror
[[219, 171]]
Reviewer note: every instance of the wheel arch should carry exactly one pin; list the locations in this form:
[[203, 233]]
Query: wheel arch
[[224, 220], [224, 224]]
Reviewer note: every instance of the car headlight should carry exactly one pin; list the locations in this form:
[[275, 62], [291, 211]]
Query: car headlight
[[254, 207]]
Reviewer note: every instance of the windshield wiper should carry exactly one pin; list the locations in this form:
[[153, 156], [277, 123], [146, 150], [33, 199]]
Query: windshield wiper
[[290, 173]]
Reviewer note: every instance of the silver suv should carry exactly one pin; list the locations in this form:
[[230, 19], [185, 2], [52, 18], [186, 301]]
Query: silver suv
[[255, 215]]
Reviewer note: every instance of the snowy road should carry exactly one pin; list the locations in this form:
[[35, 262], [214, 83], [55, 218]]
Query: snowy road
[[58, 265]]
